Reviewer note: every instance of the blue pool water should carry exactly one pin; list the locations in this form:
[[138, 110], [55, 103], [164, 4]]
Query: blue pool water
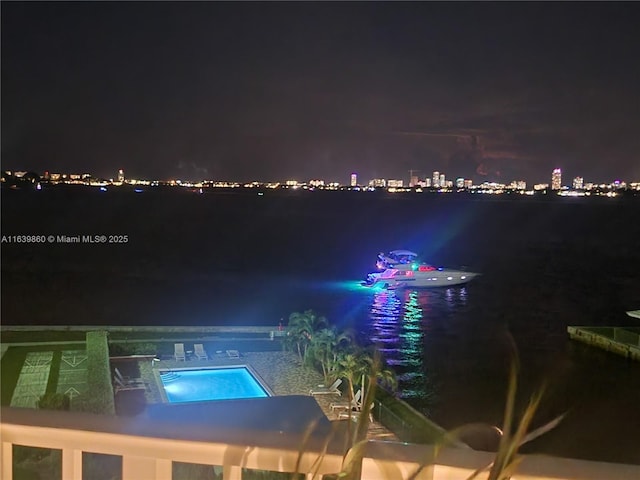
[[211, 384]]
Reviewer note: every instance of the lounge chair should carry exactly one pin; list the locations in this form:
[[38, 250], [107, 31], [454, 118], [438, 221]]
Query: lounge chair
[[198, 351], [355, 415], [324, 390], [178, 352], [121, 386], [233, 354], [354, 404]]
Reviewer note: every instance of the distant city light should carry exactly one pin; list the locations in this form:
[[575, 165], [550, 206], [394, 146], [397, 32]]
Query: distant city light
[[556, 179], [438, 183]]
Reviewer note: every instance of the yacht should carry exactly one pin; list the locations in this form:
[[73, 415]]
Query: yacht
[[403, 269]]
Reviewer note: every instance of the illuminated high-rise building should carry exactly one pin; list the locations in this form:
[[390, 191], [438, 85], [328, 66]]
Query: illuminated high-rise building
[[578, 183], [436, 180], [121, 175], [443, 181], [354, 179], [556, 179]]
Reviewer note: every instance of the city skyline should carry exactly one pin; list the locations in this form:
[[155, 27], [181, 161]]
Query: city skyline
[[487, 91], [438, 180]]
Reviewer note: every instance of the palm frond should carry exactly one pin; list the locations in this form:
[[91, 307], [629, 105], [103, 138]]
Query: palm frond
[[543, 429], [352, 464]]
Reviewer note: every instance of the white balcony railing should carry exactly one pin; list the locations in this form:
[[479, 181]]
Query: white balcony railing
[[148, 448]]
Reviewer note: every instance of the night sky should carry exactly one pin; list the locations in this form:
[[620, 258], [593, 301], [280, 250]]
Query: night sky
[[272, 91]]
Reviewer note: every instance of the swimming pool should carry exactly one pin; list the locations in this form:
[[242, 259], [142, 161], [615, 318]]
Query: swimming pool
[[198, 385]]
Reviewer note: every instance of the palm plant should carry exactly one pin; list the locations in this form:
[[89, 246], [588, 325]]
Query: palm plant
[[513, 434], [503, 465], [364, 365], [382, 375], [367, 365], [301, 329], [324, 349], [353, 364]]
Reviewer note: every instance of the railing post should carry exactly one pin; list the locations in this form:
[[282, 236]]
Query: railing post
[[231, 472], [71, 464], [164, 469], [6, 461]]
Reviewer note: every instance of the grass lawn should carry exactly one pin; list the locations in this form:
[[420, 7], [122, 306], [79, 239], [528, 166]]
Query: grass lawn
[[14, 358]]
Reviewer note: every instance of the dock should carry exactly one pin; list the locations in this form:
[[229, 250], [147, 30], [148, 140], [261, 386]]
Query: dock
[[634, 313], [624, 341]]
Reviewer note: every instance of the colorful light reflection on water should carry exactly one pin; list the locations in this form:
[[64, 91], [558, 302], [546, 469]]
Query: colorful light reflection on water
[[400, 322], [407, 325]]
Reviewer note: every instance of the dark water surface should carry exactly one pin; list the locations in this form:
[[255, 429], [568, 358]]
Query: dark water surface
[[225, 259]]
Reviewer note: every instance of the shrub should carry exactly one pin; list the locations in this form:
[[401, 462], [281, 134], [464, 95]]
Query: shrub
[[135, 348], [100, 398]]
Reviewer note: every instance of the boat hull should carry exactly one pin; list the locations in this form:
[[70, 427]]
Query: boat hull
[[429, 280]]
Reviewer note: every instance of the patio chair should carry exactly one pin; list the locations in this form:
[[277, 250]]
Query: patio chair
[[198, 351], [355, 415], [233, 354], [354, 404], [121, 386], [178, 352], [324, 390]]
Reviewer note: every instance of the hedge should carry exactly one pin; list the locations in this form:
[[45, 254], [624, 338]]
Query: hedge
[[99, 398]]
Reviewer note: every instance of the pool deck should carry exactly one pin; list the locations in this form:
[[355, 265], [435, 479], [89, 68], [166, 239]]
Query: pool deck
[[280, 371]]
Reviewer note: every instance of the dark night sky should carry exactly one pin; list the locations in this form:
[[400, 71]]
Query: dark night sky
[[270, 91]]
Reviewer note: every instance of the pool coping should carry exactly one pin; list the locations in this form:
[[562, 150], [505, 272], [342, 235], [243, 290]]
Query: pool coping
[[252, 371]]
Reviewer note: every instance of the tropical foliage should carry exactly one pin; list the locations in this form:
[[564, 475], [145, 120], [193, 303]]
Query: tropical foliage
[[513, 434], [515, 431], [338, 355], [324, 350], [301, 329], [335, 353]]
